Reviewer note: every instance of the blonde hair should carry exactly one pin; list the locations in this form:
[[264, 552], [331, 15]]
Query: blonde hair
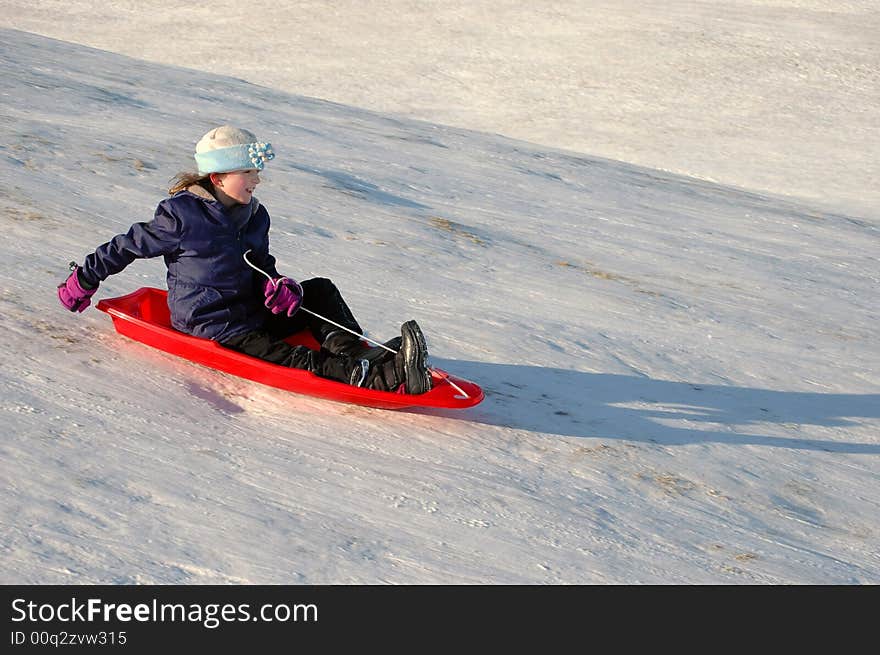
[[182, 181]]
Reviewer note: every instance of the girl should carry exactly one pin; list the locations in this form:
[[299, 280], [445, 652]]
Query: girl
[[212, 232]]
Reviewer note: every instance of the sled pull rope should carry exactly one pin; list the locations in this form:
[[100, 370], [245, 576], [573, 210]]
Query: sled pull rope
[[442, 374]]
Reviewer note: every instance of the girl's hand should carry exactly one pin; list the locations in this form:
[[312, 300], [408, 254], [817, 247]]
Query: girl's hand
[[283, 295], [73, 294]]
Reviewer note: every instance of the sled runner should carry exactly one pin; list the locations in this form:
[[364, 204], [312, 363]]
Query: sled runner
[[143, 316]]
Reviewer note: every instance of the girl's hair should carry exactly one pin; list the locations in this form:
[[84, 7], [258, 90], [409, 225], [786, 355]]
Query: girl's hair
[[182, 181]]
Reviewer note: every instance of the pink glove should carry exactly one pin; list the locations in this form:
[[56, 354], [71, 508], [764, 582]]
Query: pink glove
[[72, 294], [283, 295]]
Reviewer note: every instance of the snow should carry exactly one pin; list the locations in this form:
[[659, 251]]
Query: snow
[[682, 375], [767, 95]]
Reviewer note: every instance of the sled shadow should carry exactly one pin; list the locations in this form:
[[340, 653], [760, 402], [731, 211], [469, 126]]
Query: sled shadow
[[610, 406]]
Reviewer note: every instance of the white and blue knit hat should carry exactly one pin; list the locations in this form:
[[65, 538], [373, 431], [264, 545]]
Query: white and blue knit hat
[[227, 148]]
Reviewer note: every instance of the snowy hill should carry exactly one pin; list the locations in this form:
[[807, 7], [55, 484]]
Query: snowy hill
[[772, 95], [683, 379]]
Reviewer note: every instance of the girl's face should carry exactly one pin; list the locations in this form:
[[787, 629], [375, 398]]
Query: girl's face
[[238, 186]]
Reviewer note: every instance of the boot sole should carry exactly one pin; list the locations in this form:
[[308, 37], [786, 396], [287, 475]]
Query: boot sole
[[414, 351]]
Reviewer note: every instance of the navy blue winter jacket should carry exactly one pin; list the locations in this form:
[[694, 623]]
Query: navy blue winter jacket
[[212, 292]]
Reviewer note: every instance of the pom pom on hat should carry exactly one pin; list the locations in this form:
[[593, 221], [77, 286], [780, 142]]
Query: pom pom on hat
[[227, 148]]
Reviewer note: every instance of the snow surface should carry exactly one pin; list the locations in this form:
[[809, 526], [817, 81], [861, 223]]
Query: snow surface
[[682, 377], [778, 96]]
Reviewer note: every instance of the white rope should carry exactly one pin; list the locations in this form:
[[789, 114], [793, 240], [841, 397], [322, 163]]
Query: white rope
[[444, 375]]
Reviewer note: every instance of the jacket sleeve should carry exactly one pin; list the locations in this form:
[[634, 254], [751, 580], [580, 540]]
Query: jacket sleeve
[[161, 236]]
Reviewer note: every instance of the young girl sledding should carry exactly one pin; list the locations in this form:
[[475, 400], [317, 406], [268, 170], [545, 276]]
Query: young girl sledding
[[214, 237]]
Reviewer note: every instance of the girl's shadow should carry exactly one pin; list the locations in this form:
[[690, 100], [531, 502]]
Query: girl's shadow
[[608, 406]]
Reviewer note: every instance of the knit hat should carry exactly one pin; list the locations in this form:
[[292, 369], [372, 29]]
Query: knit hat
[[227, 148]]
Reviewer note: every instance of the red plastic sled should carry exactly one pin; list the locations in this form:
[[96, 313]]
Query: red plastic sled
[[143, 316]]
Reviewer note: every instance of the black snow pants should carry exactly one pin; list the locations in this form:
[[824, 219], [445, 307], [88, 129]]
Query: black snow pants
[[320, 295]]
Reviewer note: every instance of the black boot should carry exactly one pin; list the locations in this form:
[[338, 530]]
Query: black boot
[[384, 376], [408, 368], [411, 361]]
